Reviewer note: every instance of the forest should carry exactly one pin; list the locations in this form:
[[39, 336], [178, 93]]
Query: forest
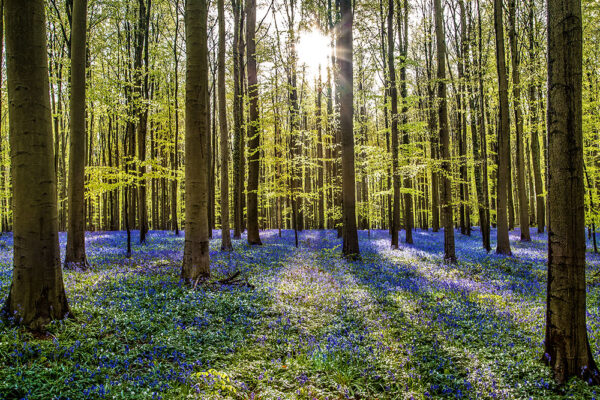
[[299, 199]]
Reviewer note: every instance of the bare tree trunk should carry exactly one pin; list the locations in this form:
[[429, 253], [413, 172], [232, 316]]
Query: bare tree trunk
[[196, 262], [567, 349], [447, 212], [321, 163], [37, 295], [175, 153], [224, 133], [253, 126], [393, 91], [75, 252], [237, 118], [522, 190], [503, 245], [344, 59]]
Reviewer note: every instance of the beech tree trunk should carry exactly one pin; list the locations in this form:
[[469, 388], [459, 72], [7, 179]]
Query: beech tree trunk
[[393, 91], [196, 262], [253, 127], [447, 212], [224, 133], [75, 252], [503, 244], [516, 79], [37, 295], [567, 348], [344, 59]]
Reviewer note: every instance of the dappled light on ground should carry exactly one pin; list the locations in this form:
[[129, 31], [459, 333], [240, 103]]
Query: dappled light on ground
[[395, 324]]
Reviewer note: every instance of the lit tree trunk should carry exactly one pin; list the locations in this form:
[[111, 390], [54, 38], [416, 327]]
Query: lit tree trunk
[[567, 349], [253, 126], [37, 295], [321, 163], [522, 190], [403, 41], [75, 253], [224, 134], [237, 118], [447, 212], [196, 262], [535, 139], [175, 153], [141, 82], [344, 58], [393, 91], [503, 245]]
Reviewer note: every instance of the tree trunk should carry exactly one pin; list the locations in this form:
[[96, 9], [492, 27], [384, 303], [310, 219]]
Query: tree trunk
[[75, 252], [196, 262], [37, 295], [344, 59], [567, 349], [224, 133], [447, 212], [503, 245], [253, 126], [237, 118], [393, 91], [522, 190]]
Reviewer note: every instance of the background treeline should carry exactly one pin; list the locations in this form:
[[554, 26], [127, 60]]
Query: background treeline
[[134, 113]]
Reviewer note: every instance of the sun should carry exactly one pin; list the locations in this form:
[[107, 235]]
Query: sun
[[314, 50]]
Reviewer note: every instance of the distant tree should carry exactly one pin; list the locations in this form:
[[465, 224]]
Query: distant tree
[[567, 349], [196, 261], [37, 295], [75, 252], [344, 58]]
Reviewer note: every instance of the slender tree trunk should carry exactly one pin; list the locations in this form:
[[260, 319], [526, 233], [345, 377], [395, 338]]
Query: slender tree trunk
[[447, 212], [344, 59], [237, 118], [567, 349], [403, 40], [321, 163], [174, 154], [196, 262], [535, 139], [75, 252], [503, 245], [37, 295], [224, 133], [393, 91], [522, 189], [253, 127]]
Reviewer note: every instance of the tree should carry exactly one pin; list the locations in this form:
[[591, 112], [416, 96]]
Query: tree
[[344, 58], [444, 134], [516, 79], [196, 261], [567, 348], [75, 252], [503, 245], [393, 91], [253, 126], [37, 295], [224, 134]]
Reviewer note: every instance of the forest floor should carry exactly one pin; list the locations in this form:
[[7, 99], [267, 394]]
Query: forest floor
[[397, 324]]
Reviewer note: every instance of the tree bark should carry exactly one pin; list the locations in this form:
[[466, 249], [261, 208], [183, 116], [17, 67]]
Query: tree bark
[[516, 79], [196, 262], [503, 245], [567, 348], [447, 212], [393, 91], [344, 59], [37, 295], [75, 252], [253, 126], [224, 133]]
